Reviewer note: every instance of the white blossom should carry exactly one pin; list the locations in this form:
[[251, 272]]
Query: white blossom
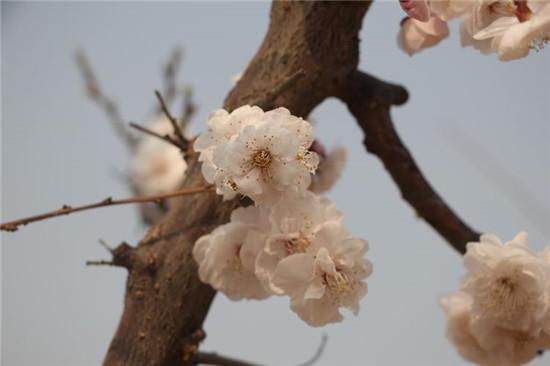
[[297, 225], [415, 35], [226, 257], [221, 127], [509, 285], [508, 348], [521, 26], [329, 170], [261, 155], [321, 282], [501, 316], [157, 166]]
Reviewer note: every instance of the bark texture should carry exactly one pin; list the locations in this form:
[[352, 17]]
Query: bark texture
[[165, 303]]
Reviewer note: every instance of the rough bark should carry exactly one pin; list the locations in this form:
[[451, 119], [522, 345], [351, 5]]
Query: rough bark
[[165, 303]]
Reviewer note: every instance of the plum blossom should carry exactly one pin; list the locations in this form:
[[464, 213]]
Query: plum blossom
[[157, 167], [226, 257], [510, 28], [501, 315], [257, 154], [321, 282], [509, 348], [521, 26], [416, 9], [298, 223], [221, 127], [509, 285], [415, 35], [329, 170]]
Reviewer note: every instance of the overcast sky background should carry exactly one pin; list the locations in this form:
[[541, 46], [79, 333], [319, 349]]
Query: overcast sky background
[[478, 128]]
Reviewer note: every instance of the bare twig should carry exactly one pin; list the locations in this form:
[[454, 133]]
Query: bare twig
[[95, 92], [211, 358], [188, 108], [369, 100], [101, 262], [182, 141], [147, 131], [66, 210], [318, 353], [169, 75]]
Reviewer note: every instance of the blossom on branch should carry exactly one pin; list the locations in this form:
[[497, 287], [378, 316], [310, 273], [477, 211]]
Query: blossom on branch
[[501, 316], [416, 35], [226, 257], [509, 28], [157, 166], [256, 154]]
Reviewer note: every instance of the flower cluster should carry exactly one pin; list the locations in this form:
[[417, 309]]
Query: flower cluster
[[501, 315], [510, 28], [258, 154], [292, 241]]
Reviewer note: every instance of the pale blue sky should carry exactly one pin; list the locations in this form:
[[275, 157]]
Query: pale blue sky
[[57, 147]]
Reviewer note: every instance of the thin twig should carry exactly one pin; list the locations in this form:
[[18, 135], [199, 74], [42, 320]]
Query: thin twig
[[188, 108], [211, 358], [147, 131], [318, 353], [101, 262], [66, 210], [180, 138], [95, 92], [169, 75]]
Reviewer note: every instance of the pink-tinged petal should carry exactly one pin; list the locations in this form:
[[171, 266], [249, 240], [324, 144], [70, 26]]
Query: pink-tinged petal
[[294, 273], [416, 9], [521, 238], [265, 268], [249, 184], [415, 36], [496, 28], [324, 262], [316, 289]]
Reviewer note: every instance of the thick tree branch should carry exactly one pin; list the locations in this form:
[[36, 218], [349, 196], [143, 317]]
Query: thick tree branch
[[172, 302], [369, 100], [109, 201]]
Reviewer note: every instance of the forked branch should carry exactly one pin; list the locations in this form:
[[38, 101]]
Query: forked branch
[[369, 100]]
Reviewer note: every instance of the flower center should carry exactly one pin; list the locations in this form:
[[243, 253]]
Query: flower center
[[297, 245], [517, 8], [338, 284], [502, 290], [262, 158]]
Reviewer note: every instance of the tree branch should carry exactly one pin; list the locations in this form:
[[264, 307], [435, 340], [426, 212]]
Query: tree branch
[[173, 303], [166, 138], [12, 226], [95, 92], [181, 140], [369, 100]]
